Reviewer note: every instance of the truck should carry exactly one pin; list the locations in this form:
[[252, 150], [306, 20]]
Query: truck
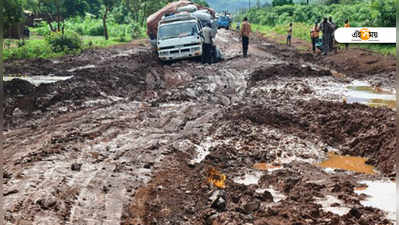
[[179, 37], [224, 22]]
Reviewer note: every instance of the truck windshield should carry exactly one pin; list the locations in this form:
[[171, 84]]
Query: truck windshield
[[177, 30]]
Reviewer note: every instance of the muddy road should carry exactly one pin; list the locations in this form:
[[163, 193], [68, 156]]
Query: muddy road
[[280, 137]]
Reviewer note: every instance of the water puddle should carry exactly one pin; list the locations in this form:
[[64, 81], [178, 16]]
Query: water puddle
[[364, 93], [351, 163], [266, 167], [81, 68], [37, 80], [332, 204], [249, 178], [382, 195], [202, 150]]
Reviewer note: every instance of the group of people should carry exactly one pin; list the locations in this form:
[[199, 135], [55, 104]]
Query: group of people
[[209, 48], [327, 27]]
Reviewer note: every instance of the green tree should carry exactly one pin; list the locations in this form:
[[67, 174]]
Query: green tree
[[108, 5], [201, 2], [329, 2], [11, 12], [282, 2], [59, 10], [94, 7], [387, 12]]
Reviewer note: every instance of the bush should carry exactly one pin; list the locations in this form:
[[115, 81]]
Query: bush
[[97, 30], [43, 29], [69, 41], [31, 49]]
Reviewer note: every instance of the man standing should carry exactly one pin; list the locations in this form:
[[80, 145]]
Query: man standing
[[289, 35], [245, 32], [326, 29], [207, 47], [333, 28], [314, 35]]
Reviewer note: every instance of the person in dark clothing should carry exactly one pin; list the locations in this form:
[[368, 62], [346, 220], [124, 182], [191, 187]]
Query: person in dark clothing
[[245, 32], [26, 32], [347, 25], [333, 28], [207, 33], [326, 29], [289, 35], [314, 35]]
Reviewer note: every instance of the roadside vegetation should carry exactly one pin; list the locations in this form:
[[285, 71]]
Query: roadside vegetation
[[70, 26], [276, 17]]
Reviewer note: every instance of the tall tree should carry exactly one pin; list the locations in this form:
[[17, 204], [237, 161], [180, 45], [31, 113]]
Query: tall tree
[[282, 2], [387, 12], [59, 10], [108, 6]]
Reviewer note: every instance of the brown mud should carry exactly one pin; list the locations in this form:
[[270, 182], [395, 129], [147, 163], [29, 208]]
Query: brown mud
[[128, 140]]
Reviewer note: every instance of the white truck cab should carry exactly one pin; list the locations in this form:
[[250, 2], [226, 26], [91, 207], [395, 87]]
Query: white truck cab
[[179, 37]]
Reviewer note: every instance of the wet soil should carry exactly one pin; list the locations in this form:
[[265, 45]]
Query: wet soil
[[128, 140]]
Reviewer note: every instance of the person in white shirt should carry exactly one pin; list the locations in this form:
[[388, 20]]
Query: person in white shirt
[[207, 33]]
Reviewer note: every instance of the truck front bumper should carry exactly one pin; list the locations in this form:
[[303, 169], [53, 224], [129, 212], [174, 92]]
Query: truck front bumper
[[180, 53]]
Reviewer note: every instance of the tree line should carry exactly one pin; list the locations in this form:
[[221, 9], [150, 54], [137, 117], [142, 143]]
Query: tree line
[[360, 13], [56, 12]]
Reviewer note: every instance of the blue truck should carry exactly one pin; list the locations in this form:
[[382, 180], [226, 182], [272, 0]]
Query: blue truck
[[224, 22]]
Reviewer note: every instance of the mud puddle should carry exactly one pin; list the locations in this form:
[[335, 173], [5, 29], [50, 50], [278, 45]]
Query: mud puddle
[[37, 80], [364, 93], [351, 163]]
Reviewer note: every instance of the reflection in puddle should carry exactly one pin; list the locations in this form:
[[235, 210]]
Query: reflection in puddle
[[363, 92], [382, 195], [352, 163]]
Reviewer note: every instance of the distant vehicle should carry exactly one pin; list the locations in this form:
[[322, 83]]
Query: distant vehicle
[[224, 22], [179, 37]]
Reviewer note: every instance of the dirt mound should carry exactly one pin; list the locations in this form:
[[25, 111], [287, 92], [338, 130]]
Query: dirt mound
[[360, 62], [17, 87], [353, 128], [30, 67], [286, 70], [125, 79]]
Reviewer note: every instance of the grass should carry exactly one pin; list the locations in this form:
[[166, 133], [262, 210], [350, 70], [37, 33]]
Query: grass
[[90, 31], [39, 48], [302, 31]]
